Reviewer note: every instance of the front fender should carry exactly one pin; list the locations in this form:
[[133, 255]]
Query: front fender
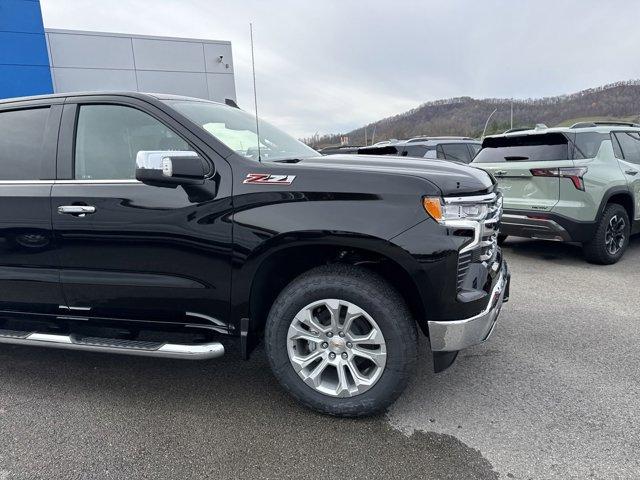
[[311, 243]]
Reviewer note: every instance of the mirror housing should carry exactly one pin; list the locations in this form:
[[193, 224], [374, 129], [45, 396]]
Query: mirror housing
[[170, 168]]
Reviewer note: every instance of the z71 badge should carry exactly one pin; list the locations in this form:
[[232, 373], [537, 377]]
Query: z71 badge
[[269, 179]]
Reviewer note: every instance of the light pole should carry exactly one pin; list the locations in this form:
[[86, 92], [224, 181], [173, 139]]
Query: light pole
[[487, 122], [511, 127]]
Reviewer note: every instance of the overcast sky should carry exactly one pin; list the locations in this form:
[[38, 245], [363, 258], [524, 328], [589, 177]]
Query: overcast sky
[[329, 66]]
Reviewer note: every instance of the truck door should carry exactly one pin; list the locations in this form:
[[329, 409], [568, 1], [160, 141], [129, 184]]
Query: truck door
[[130, 250], [29, 280]]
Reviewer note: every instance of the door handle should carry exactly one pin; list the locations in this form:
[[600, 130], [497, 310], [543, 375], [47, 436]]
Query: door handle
[[500, 173], [77, 210], [631, 172]]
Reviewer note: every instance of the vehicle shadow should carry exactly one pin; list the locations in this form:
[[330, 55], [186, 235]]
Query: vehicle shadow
[[226, 418]]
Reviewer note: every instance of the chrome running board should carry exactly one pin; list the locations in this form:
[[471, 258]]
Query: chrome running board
[[140, 348]]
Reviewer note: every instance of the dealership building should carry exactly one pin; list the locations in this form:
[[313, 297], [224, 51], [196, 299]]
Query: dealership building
[[35, 60]]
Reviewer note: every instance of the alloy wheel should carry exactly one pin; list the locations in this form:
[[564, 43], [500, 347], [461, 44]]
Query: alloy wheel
[[336, 348], [614, 237]]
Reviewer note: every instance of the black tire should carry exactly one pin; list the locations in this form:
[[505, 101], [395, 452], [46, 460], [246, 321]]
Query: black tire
[[374, 295], [597, 250], [501, 239]]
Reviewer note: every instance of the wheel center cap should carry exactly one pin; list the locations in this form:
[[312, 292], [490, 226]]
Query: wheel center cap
[[337, 343]]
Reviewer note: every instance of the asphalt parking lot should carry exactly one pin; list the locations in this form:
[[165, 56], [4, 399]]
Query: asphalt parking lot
[[554, 394]]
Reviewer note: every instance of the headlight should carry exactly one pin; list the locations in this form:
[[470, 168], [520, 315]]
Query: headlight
[[446, 212]]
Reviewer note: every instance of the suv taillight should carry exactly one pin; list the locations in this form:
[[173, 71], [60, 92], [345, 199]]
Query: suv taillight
[[575, 174]]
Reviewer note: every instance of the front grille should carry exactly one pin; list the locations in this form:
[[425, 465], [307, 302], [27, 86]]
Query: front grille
[[489, 232], [464, 262], [481, 252]]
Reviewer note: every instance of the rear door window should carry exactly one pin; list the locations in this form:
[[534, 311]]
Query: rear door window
[[457, 152], [22, 134], [524, 148], [587, 144], [617, 151], [630, 144]]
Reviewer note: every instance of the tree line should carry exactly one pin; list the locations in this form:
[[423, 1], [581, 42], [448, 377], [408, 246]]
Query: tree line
[[466, 116]]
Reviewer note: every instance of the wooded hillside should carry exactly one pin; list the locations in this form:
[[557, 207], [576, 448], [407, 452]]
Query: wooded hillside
[[467, 116]]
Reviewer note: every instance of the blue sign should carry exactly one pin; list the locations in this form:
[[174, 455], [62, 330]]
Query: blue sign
[[24, 60]]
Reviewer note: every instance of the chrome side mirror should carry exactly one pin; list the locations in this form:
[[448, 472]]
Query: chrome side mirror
[[170, 168]]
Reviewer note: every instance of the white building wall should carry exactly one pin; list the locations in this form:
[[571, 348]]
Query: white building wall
[[86, 61]]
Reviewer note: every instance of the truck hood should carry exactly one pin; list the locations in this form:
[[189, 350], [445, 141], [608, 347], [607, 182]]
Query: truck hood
[[450, 177]]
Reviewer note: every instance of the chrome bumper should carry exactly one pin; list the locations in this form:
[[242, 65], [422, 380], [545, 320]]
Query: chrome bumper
[[454, 335]]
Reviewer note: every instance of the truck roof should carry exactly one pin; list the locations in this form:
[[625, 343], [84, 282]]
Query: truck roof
[[120, 93]]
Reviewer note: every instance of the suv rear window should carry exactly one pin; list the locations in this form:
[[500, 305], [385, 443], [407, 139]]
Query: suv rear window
[[416, 150], [21, 141], [381, 150], [523, 148]]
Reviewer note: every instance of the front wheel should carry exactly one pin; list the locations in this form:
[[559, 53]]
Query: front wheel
[[611, 238], [341, 341]]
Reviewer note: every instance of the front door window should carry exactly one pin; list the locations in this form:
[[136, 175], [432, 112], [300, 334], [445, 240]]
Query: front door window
[[110, 136]]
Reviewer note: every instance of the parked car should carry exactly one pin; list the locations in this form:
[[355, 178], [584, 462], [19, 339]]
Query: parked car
[[457, 149], [385, 142], [340, 149], [575, 184], [161, 226]]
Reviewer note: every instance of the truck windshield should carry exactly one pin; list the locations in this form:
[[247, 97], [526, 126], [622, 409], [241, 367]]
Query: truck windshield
[[237, 130]]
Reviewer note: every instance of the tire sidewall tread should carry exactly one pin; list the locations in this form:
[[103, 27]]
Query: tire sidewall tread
[[370, 292], [595, 249]]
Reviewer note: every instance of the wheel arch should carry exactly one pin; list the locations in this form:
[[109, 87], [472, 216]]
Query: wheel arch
[[620, 195], [286, 258]]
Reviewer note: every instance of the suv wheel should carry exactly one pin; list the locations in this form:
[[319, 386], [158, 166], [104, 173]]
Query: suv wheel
[[611, 238], [341, 341]]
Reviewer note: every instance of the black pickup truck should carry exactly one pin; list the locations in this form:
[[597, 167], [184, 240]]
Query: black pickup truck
[[162, 226]]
